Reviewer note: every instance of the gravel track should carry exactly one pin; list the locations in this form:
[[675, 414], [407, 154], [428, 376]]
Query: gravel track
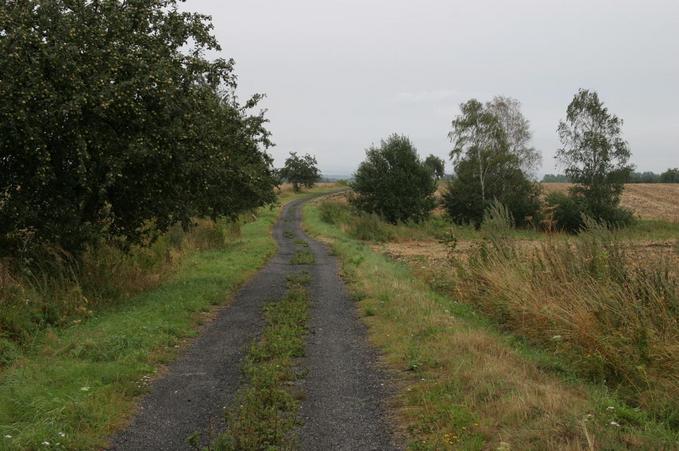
[[344, 392]]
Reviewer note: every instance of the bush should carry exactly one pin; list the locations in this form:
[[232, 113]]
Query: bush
[[333, 213], [505, 183], [394, 183], [369, 227], [569, 212]]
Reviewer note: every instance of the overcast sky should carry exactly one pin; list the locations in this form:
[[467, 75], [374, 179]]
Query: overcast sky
[[342, 74]]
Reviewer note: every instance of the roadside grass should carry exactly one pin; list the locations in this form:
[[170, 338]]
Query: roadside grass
[[264, 413], [468, 385], [76, 384], [72, 383]]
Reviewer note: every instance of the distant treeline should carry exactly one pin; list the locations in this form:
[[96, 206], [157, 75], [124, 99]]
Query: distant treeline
[[669, 176]]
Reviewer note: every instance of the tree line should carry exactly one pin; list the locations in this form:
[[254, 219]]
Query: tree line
[[115, 126], [669, 176], [494, 162]]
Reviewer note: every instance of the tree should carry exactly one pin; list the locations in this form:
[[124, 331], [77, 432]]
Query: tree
[[114, 126], [487, 169], [594, 154], [300, 171], [670, 176], [477, 134], [393, 182], [436, 165], [517, 132], [506, 183]]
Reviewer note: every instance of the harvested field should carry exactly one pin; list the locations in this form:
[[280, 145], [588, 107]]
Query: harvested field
[[646, 200]]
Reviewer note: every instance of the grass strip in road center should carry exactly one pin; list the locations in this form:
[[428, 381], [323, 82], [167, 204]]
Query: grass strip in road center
[[264, 413]]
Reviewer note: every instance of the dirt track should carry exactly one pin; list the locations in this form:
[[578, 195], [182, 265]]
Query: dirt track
[[344, 392]]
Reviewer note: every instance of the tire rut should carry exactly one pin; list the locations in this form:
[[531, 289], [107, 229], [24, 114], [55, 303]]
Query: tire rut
[[344, 391]]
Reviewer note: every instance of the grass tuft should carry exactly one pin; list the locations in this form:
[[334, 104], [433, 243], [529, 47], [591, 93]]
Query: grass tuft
[[265, 412]]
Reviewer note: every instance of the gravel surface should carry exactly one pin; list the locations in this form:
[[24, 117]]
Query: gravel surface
[[344, 391], [196, 388]]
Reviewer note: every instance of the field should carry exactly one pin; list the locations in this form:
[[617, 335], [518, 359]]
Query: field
[[483, 317], [653, 201]]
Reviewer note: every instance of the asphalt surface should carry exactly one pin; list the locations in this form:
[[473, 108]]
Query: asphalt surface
[[344, 391]]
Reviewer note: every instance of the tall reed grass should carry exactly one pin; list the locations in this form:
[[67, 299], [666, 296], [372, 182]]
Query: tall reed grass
[[614, 317]]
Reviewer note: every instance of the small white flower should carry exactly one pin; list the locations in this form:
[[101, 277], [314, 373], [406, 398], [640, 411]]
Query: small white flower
[[61, 434], [84, 388], [610, 408], [615, 423], [46, 443], [8, 436], [556, 337]]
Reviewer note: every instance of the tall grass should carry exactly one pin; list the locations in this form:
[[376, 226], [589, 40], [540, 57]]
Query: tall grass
[[614, 317], [58, 290]]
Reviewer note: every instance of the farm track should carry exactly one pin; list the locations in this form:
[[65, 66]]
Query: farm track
[[344, 392]]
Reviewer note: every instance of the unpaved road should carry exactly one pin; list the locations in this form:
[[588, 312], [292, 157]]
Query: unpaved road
[[344, 391]]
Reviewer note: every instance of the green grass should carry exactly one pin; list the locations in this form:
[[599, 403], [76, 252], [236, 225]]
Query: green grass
[[264, 413], [78, 383], [302, 257], [464, 384]]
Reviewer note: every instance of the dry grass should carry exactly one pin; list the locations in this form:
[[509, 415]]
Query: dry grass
[[464, 385], [646, 200], [65, 291]]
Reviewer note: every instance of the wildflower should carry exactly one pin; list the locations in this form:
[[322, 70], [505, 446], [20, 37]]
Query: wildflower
[[61, 434], [610, 408], [46, 443], [8, 436], [615, 423], [84, 388]]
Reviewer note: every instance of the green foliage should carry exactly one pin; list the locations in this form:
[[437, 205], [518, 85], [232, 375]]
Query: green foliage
[[670, 176], [114, 125], [567, 211], [436, 165], [505, 183], [265, 412], [83, 380], [333, 213], [594, 154], [489, 161], [300, 171], [394, 183]]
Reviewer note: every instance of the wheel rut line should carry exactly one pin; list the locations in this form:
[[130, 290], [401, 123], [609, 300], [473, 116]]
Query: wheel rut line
[[193, 392], [345, 391]]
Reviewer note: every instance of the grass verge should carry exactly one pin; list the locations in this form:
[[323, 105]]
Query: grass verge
[[77, 384], [265, 411], [466, 384]]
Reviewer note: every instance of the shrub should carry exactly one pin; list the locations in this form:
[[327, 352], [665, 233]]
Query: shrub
[[505, 183], [569, 212], [333, 212], [394, 183], [369, 227]]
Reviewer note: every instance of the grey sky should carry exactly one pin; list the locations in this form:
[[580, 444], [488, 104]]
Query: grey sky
[[341, 74]]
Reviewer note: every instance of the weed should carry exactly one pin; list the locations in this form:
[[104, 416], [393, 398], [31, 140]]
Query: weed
[[264, 413], [302, 257]]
